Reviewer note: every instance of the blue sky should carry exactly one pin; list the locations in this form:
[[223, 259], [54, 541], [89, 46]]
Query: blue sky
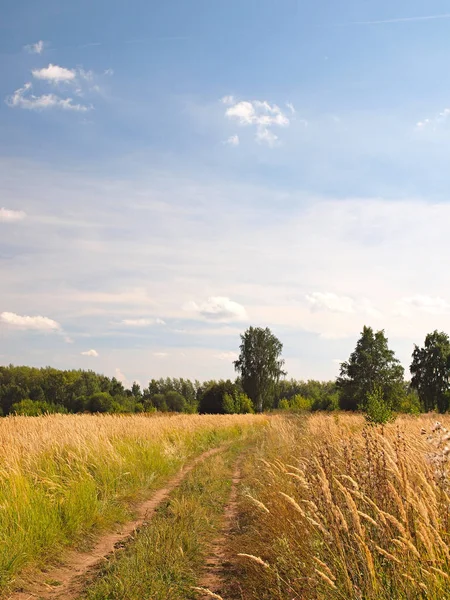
[[173, 172]]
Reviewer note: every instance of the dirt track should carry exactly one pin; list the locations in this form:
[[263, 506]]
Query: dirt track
[[66, 582], [218, 560]]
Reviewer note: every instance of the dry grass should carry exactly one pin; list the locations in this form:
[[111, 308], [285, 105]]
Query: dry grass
[[337, 509], [65, 477]]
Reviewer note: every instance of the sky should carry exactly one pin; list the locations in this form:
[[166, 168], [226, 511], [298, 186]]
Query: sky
[[174, 172]]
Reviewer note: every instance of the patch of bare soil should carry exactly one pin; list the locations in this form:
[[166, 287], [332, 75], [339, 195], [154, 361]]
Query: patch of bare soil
[[66, 582]]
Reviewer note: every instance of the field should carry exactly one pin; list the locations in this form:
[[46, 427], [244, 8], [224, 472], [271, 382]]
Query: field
[[237, 507]]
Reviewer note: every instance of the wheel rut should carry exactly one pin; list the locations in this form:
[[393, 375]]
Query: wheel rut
[[66, 582], [218, 562]]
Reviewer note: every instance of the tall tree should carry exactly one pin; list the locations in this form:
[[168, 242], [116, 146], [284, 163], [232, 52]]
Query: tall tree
[[430, 370], [371, 366], [260, 365]]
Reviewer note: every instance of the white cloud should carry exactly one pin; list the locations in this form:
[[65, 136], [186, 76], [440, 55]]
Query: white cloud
[[36, 48], [108, 72], [142, 322], [263, 134], [37, 323], [120, 376], [331, 302], [233, 140], [68, 339], [160, 354], [22, 98], [426, 304], [11, 216], [91, 352], [54, 74], [227, 99], [433, 123], [258, 113], [218, 308], [230, 356], [291, 107]]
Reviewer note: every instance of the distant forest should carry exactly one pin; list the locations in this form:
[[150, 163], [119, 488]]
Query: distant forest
[[371, 380], [32, 391]]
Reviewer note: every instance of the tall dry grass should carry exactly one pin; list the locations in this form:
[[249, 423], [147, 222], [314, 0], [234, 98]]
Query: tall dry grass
[[65, 477], [340, 510]]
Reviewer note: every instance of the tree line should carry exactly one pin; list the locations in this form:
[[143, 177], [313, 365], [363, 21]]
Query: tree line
[[371, 380]]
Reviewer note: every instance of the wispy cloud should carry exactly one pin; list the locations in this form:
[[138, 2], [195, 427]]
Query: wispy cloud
[[90, 352], [37, 323], [141, 322], [259, 114], [23, 98], [36, 48], [11, 216], [330, 301], [433, 305], [230, 356], [434, 122], [397, 20], [291, 107], [218, 308], [233, 140], [160, 354]]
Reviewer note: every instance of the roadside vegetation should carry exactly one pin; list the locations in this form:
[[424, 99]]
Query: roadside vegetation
[[165, 559], [65, 478], [334, 508]]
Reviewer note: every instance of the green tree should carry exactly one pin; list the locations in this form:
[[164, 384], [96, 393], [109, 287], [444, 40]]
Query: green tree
[[100, 402], [371, 366], [260, 365], [430, 370], [229, 405], [175, 401], [213, 399], [377, 411]]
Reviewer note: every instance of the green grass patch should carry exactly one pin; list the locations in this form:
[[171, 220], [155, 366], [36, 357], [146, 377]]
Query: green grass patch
[[165, 559], [63, 488]]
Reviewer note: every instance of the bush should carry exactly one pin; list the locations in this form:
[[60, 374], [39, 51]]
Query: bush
[[212, 399], [284, 404], [299, 402], [34, 408], [377, 411], [243, 404], [410, 404], [100, 402], [229, 406]]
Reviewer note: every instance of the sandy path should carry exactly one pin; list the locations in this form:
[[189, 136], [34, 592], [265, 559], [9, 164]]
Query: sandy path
[[218, 561], [72, 575]]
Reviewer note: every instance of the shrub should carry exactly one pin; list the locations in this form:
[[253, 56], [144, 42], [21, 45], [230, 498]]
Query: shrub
[[34, 408], [377, 411], [299, 402], [100, 402], [284, 404]]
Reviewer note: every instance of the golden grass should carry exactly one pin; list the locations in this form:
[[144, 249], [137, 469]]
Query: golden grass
[[337, 509], [65, 477]]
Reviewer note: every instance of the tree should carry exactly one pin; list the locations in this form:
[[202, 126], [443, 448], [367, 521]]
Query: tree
[[214, 399], [100, 402], [430, 370], [372, 366], [259, 365]]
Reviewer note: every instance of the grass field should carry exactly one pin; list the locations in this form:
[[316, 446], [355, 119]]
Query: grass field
[[63, 479], [342, 510], [328, 507]]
